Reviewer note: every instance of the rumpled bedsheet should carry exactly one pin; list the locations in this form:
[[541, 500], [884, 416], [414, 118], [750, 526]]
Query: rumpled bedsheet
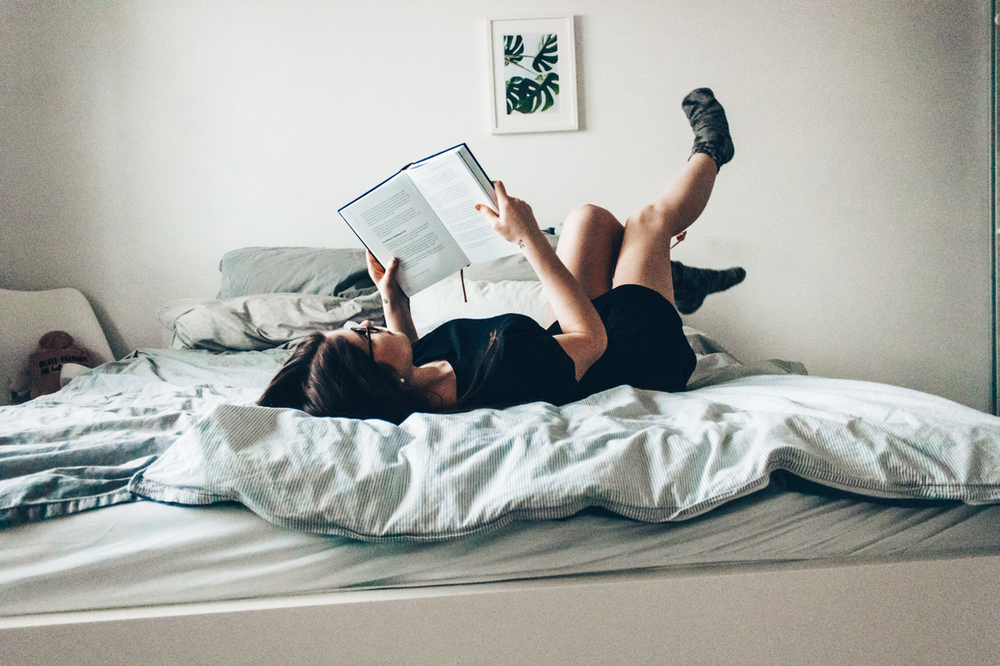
[[645, 455], [78, 449], [181, 426]]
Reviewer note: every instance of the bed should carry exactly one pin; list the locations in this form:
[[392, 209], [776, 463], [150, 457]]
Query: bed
[[151, 513]]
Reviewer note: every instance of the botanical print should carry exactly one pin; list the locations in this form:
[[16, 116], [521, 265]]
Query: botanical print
[[532, 78], [534, 85]]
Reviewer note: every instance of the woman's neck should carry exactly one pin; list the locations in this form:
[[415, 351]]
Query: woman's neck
[[438, 377]]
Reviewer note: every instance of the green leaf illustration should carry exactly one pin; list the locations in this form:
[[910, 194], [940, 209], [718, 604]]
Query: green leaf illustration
[[513, 49], [532, 95], [547, 54]]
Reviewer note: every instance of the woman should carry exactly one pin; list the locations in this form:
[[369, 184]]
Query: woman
[[610, 292]]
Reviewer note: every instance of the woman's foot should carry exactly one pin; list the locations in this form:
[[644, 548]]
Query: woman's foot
[[711, 129], [692, 285]]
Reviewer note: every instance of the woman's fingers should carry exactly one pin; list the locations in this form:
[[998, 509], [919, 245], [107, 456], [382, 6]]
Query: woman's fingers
[[382, 276], [506, 203], [487, 212], [514, 219], [391, 270], [375, 269]]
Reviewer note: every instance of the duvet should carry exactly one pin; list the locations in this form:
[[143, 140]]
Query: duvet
[[181, 426]]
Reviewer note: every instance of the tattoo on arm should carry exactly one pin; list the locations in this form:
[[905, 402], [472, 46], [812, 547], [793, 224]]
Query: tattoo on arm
[[520, 243]]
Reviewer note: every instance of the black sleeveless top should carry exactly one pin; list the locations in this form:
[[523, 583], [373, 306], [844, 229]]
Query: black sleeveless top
[[647, 349], [531, 365]]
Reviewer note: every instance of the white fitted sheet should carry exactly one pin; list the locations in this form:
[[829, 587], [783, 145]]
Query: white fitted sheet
[[150, 554]]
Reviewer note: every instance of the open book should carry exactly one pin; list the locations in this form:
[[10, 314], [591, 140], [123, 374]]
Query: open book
[[426, 216]]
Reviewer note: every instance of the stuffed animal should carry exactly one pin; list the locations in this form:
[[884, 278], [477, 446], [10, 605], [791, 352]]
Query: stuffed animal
[[45, 363]]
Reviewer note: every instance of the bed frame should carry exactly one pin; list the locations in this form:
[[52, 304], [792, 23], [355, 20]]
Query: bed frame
[[923, 611]]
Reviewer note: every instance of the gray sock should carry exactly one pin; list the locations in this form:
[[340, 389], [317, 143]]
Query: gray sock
[[692, 284], [711, 129]]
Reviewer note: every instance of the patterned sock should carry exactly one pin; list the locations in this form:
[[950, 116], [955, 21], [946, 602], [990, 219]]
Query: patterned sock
[[711, 129], [692, 285]]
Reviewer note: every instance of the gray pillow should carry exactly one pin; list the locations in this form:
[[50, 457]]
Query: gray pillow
[[262, 321], [514, 267], [299, 270], [331, 271]]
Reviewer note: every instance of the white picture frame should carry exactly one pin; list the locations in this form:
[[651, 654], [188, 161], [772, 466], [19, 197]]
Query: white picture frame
[[534, 75]]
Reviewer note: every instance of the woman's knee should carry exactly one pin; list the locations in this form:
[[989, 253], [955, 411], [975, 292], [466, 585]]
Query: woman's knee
[[591, 218], [653, 219]]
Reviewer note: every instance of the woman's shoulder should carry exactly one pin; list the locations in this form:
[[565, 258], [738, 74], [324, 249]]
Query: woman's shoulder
[[465, 337], [505, 323], [525, 364]]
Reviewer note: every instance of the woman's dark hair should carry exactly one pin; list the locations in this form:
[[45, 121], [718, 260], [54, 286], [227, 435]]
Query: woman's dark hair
[[331, 377]]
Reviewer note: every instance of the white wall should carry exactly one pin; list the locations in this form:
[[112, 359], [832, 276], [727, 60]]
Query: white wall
[[139, 141]]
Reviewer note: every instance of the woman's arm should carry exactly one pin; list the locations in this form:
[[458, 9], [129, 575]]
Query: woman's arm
[[583, 336], [395, 304]]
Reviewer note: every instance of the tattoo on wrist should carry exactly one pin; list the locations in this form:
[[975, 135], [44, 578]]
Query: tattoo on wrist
[[520, 243]]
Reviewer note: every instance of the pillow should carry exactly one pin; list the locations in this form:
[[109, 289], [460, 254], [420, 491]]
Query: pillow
[[443, 301], [514, 267], [331, 271], [284, 272], [300, 270], [262, 321]]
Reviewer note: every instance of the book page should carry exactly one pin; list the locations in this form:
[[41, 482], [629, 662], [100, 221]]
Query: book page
[[394, 220], [453, 192]]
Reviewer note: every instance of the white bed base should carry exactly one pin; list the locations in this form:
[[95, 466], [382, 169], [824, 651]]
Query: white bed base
[[940, 611]]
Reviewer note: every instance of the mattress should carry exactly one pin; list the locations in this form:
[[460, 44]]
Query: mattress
[[150, 554]]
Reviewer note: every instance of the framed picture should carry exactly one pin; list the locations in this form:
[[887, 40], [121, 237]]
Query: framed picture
[[534, 75]]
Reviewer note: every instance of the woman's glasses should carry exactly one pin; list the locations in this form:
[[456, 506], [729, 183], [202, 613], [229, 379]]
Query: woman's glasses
[[366, 333]]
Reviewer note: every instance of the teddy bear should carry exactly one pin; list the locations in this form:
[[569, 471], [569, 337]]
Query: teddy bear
[[55, 348]]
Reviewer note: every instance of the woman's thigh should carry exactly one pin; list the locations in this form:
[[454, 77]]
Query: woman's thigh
[[644, 258], [589, 244]]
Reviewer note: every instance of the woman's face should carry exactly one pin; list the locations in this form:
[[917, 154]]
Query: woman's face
[[385, 347]]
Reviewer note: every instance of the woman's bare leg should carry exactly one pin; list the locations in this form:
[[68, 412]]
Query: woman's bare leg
[[601, 254], [589, 245], [644, 257]]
